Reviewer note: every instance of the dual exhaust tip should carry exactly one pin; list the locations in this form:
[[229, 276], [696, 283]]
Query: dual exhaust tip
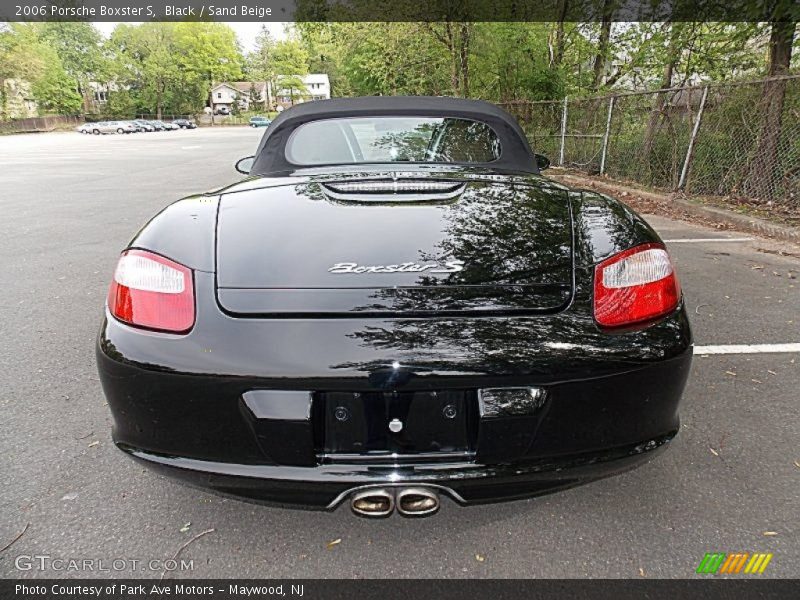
[[382, 502]]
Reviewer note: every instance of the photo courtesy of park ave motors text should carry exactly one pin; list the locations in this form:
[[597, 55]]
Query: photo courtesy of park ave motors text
[[511, 290]]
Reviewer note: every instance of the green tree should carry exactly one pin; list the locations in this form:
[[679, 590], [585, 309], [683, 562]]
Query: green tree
[[55, 90], [146, 61], [390, 58], [121, 103], [290, 64], [22, 57], [207, 53], [513, 61], [259, 64], [773, 97], [518, 60], [455, 37], [79, 47], [172, 66], [28, 56], [253, 97], [327, 54]]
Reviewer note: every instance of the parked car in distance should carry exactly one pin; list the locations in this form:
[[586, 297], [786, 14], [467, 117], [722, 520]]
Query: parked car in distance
[[97, 128], [185, 123], [110, 127], [121, 127], [144, 125], [163, 126], [259, 121], [222, 110], [85, 128]]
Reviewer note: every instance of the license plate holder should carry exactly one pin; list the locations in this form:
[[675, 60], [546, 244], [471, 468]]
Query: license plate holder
[[375, 424]]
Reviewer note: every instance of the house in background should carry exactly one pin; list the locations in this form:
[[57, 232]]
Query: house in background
[[318, 87], [99, 93], [223, 97], [246, 94]]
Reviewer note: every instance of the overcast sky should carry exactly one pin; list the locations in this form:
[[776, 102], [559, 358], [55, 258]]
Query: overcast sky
[[246, 32]]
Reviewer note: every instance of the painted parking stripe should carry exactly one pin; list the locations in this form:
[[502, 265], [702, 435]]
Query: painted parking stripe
[[747, 349], [704, 240]]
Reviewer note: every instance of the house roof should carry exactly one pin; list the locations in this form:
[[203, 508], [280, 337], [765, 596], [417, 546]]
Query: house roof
[[316, 78], [244, 86], [240, 86]]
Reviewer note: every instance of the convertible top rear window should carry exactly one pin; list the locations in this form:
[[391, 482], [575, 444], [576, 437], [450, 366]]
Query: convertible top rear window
[[355, 140]]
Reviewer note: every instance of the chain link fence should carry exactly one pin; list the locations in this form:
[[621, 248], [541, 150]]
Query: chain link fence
[[739, 140], [155, 117]]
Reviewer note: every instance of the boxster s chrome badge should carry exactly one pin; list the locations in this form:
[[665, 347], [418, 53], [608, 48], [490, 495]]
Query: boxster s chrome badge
[[451, 266]]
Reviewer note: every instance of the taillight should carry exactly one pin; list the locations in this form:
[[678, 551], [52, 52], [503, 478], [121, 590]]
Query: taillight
[[153, 292], [634, 286]]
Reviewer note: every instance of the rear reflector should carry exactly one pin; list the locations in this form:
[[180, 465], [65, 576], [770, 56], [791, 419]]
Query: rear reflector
[[636, 285], [153, 292]]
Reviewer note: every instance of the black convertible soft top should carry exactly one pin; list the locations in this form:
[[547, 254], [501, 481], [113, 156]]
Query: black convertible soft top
[[516, 153]]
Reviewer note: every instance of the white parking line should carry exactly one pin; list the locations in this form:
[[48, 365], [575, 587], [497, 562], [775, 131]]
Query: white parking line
[[190, 147], [699, 240], [747, 349]]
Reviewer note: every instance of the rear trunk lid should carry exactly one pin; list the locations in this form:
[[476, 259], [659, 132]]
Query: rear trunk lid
[[395, 247]]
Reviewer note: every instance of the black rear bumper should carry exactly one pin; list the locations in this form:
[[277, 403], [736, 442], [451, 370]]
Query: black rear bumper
[[178, 401], [325, 487]]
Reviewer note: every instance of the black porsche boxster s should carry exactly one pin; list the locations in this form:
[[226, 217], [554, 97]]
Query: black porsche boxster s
[[393, 308]]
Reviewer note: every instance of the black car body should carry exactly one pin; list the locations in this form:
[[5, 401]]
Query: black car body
[[391, 331], [185, 123]]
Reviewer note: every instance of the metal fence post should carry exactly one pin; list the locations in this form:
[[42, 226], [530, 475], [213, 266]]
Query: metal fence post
[[605, 137], [563, 133], [690, 149]]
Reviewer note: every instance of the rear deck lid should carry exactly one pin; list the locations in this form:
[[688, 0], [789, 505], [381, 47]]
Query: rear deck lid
[[396, 248]]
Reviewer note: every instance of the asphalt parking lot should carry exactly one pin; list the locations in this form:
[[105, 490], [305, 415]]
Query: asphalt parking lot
[[729, 482]]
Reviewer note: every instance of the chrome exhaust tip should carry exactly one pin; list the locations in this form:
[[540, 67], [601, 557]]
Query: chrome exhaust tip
[[417, 502], [373, 503]]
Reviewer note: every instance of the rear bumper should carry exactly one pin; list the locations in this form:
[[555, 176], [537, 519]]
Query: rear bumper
[[326, 487], [178, 401]]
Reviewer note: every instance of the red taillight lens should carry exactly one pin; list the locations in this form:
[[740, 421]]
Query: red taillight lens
[[151, 291], [635, 285]]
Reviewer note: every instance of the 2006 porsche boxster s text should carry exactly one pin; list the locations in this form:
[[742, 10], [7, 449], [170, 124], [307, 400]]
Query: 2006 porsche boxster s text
[[393, 308]]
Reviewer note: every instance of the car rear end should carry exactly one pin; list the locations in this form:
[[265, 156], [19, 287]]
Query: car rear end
[[390, 338]]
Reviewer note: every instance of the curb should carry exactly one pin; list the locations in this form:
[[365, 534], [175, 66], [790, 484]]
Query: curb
[[718, 215]]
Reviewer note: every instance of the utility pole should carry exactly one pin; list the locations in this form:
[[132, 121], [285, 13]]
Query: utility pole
[[211, 95]]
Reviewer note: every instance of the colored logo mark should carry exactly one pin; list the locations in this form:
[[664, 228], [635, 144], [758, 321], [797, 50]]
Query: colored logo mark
[[736, 562]]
